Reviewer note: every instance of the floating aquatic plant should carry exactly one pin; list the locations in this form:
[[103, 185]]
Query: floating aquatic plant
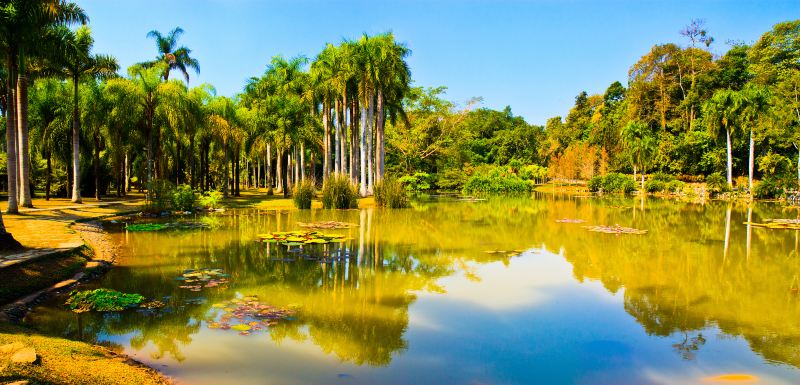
[[327, 225], [166, 226], [567, 220], [783, 224], [248, 314], [297, 238], [102, 300], [198, 279], [616, 229]]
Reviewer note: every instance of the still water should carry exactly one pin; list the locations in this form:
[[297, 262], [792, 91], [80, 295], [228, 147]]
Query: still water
[[459, 292]]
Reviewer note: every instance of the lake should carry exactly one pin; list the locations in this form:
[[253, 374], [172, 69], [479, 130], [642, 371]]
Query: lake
[[465, 292]]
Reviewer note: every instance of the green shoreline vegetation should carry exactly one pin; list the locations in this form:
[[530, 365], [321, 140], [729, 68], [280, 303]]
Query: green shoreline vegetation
[[348, 124]]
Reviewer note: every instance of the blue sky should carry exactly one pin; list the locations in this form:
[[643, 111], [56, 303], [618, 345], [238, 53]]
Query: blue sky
[[532, 55]]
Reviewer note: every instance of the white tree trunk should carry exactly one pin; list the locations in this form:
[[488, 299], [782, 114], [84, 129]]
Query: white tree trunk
[[362, 159], [23, 155], [750, 163], [302, 162], [336, 137], [730, 158], [76, 148], [370, 134], [11, 147]]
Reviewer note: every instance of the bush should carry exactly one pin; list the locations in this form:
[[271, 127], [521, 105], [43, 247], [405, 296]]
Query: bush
[[533, 172], [210, 200], [618, 183], [496, 181], [159, 196], [767, 189], [451, 179], [675, 186], [302, 194], [339, 193], [390, 193], [418, 182], [595, 184], [717, 183], [655, 185], [183, 198]]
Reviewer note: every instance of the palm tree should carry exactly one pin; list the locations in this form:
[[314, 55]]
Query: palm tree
[[23, 23], [720, 112], [640, 144], [77, 63], [392, 79], [174, 57], [754, 108], [49, 118]]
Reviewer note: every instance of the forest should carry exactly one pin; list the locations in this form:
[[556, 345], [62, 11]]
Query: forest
[[78, 125]]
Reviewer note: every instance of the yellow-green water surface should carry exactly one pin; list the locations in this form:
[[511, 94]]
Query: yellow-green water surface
[[464, 292]]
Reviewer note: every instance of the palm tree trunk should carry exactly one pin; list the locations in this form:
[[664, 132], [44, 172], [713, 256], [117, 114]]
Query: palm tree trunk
[[23, 155], [76, 144], [225, 179], [127, 174], [345, 160], [730, 157], [48, 175], [96, 163], [191, 156], [750, 164], [285, 178], [370, 136], [353, 142], [302, 162], [326, 140], [336, 138], [379, 145], [362, 159], [11, 134], [268, 180]]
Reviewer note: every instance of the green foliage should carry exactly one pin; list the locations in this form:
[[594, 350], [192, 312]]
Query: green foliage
[[183, 198], [767, 189], [102, 300], [160, 196], [210, 200], [146, 227], [496, 181], [595, 184], [655, 185], [533, 172], [390, 193], [303, 194], [662, 182], [717, 183], [612, 183], [416, 183], [451, 179], [339, 193]]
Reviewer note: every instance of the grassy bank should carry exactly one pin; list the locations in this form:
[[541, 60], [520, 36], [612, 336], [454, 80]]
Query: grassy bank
[[41, 273], [67, 362]]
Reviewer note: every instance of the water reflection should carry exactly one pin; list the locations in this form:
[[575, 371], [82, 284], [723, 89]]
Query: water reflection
[[699, 268]]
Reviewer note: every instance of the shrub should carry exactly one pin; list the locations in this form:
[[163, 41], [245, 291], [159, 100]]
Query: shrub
[[533, 172], [618, 183], [183, 198], [675, 186], [418, 182], [390, 193], [302, 194], [767, 189], [159, 196], [717, 183], [451, 179], [210, 200], [339, 193], [495, 182], [595, 184], [655, 185]]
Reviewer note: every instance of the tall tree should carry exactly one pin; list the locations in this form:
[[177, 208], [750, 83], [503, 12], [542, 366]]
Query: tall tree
[[721, 112], [173, 57], [77, 63]]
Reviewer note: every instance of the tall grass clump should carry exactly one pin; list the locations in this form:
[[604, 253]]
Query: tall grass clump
[[303, 193], [339, 193], [210, 200], [390, 193]]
